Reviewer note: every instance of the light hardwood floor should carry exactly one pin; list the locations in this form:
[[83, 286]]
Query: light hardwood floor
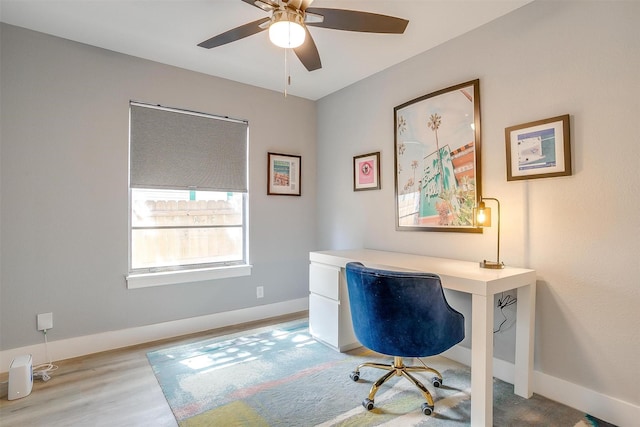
[[112, 388]]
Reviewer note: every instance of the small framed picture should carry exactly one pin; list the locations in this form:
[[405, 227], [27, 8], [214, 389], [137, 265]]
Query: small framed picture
[[540, 149], [366, 172], [283, 174]]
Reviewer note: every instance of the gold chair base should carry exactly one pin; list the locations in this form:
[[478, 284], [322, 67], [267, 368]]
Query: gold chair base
[[398, 368]]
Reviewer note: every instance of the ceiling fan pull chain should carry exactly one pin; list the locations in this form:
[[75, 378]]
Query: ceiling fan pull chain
[[286, 72]]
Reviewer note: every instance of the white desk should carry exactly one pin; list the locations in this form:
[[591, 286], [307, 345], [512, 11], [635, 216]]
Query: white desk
[[330, 315]]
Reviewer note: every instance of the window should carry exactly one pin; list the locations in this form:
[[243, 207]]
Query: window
[[179, 228], [188, 196]]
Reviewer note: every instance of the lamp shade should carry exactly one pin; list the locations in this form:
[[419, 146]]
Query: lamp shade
[[483, 216], [286, 29]]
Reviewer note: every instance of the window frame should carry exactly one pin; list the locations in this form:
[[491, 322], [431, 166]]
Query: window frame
[[186, 273]]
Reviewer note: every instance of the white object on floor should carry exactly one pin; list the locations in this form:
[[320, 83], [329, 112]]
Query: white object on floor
[[20, 377]]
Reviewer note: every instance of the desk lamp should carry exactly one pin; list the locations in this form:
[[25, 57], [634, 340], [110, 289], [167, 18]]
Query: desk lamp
[[482, 217]]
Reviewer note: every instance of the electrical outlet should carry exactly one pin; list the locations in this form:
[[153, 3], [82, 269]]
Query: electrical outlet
[[45, 321], [260, 292]]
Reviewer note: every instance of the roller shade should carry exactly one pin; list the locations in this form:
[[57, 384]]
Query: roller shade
[[177, 149]]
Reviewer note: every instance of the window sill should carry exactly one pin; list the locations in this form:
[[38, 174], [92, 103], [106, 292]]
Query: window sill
[[135, 281]]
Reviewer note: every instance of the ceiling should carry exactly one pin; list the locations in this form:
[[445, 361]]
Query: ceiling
[[168, 31]]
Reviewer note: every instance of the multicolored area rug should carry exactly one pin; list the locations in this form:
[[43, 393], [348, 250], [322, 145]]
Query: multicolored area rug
[[280, 376]]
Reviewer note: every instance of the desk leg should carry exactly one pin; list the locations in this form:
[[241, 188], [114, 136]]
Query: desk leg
[[481, 360], [525, 332]]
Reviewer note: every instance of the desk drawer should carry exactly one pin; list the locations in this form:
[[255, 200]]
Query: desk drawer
[[323, 319], [324, 280]]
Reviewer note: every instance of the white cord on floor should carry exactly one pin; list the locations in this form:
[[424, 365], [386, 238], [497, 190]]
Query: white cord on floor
[[43, 370]]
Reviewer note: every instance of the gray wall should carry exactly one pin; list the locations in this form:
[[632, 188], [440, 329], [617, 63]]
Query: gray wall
[[64, 203], [580, 233]]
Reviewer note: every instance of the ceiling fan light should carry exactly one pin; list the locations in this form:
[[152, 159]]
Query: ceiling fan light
[[286, 29]]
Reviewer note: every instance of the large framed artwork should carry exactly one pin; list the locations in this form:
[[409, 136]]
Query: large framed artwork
[[437, 153]]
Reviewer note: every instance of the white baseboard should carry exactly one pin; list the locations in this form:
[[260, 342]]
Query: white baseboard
[[502, 370], [607, 408], [88, 344]]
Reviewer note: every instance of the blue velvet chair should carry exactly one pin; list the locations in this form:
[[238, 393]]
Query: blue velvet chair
[[402, 315]]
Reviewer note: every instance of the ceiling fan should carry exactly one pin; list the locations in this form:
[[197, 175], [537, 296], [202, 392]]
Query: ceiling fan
[[289, 21]]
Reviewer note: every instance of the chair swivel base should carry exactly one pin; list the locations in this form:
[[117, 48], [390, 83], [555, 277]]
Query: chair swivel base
[[400, 369]]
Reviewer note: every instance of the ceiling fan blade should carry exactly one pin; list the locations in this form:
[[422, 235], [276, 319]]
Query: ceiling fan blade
[[312, 18], [308, 54], [234, 34], [266, 5], [351, 20]]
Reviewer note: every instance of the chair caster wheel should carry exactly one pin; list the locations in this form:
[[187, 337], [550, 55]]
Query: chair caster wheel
[[437, 382], [355, 375], [368, 404], [427, 409]]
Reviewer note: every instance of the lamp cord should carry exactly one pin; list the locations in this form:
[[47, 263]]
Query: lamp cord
[[504, 301]]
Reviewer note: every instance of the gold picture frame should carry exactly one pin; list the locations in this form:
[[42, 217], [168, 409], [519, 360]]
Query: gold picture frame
[[437, 160], [540, 149]]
